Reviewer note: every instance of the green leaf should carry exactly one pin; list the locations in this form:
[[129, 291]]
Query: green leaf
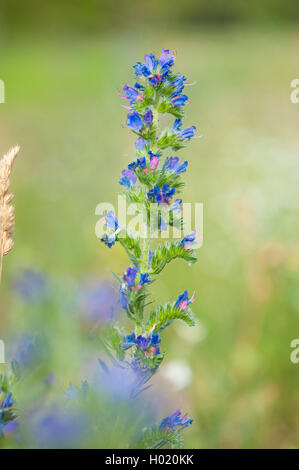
[[166, 314], [110, 340], [164, 254], [132, 246], [156, 438], [136, 195]]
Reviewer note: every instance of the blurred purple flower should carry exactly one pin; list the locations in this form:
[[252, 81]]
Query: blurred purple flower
[[98, 302], [31, 285], [28, 350], [59, 428]]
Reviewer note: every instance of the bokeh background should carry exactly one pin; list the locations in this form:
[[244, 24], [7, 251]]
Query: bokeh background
[[62, 63]]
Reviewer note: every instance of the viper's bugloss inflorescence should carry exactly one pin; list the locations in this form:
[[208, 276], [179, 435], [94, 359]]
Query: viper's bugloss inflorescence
[[153, 178]]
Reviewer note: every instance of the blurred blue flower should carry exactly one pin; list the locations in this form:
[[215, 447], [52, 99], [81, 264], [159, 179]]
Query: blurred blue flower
[[150, 257], [7, 402], [28, 351], [98, 301], [117, 383], [8, 429], [31, 285], [123, 300], [140, 143], [74, 393], [59, 428]]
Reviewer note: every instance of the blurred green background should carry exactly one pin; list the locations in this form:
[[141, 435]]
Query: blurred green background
[[62, 65]]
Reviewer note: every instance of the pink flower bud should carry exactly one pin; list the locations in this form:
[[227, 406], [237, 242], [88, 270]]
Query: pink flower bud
[[154, 163]]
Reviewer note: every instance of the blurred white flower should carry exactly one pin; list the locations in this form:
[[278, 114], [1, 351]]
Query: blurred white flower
[[178, 373]]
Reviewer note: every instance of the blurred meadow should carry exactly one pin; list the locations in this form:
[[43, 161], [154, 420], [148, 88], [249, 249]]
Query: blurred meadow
[[63, 109]]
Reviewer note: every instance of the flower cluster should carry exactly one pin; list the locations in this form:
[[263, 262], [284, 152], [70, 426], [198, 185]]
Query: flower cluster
[[175, 420], [131, 285], [148, 344], [152, 179]]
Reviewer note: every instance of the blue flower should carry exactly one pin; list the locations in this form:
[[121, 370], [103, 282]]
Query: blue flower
[[162, 225], [155, 71], [148, 117], [138, 86], [144, 279], [111, 220], [161, 195], [128, 178], [134, 121], [177, 124], [148, 68], [141, 69], [142, 342], [172, 164], [109, 240], [7, 428], [7, 402], [177, 85], [130, 93], [155, 340], [128, 341], [179, 100], [151, 62], [130, 276], [150, 257], [177, 206], [185, 133], [140, 162], [123, 300], [176, 419], [166, 60], [112, 223], [140, 143], [189, 240], [10, 428], [183, 300]]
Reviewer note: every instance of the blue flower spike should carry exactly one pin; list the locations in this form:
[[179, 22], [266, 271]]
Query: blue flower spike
[[153, 177]]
